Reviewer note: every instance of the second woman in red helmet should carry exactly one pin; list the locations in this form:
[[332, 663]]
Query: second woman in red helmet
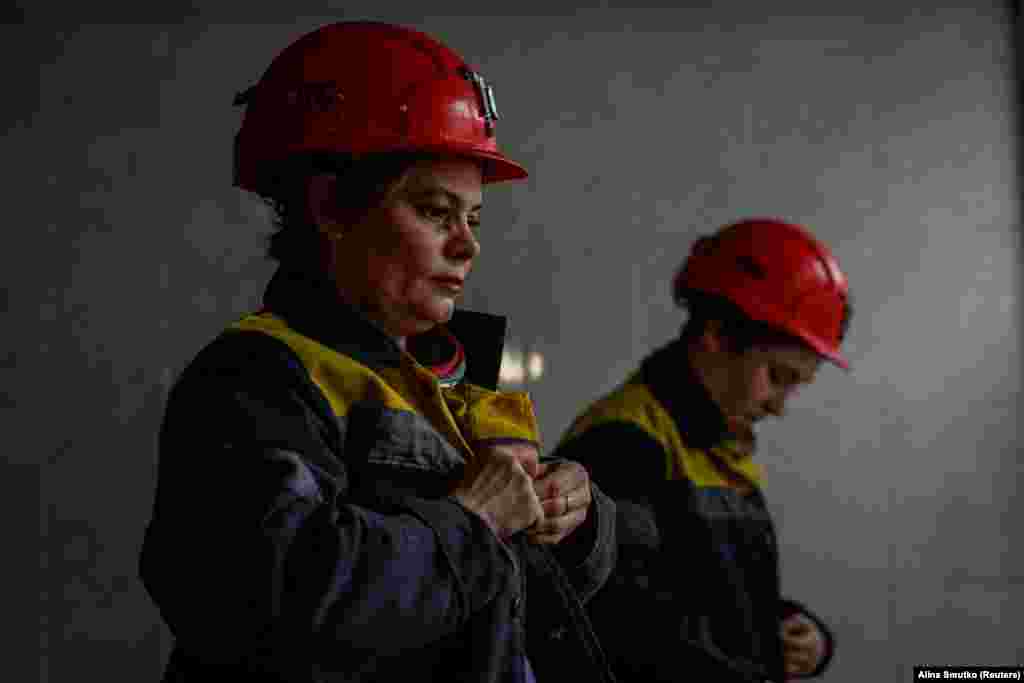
[[674, 445]]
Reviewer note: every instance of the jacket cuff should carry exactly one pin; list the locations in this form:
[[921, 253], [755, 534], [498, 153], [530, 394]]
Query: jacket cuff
[[790, 607]]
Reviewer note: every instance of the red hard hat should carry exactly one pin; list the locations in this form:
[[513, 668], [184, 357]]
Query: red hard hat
[[364, 87], [776, 273]]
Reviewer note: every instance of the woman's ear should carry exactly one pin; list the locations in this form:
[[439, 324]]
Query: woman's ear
[[322, 205], [711, 338]]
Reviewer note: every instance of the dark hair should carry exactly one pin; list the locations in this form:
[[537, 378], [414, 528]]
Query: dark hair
[[739, 330], [363, 184]]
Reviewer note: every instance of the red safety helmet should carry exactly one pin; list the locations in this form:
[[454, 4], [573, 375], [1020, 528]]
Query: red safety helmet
[[364, 87], [776, 273]]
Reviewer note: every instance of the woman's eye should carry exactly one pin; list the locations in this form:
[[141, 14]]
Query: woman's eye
[[435, 213]]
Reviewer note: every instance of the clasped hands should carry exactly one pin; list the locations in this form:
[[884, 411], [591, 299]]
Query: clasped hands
[[508, 486]]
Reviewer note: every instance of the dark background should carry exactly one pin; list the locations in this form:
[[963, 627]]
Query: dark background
[[890, 128]]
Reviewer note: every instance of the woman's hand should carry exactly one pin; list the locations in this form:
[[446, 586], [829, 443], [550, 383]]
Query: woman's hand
[[802, 643], [498, 486], [563, 489]]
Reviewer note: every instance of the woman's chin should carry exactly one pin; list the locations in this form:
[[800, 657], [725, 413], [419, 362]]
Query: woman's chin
[[440, 311], [426, 318]]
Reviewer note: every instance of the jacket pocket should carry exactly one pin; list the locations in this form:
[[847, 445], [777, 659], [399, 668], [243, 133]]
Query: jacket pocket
[[379, 435], [394, 454]]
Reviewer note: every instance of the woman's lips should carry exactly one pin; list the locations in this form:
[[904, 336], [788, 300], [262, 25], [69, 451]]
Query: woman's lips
[[453, 284]]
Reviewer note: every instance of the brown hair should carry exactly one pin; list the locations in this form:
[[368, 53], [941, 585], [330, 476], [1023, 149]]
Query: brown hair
[[363, 183]]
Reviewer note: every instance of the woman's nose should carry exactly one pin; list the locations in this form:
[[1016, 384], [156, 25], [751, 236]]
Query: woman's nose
[[464, 245]]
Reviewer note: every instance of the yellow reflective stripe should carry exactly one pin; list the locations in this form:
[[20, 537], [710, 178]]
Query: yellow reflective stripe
[[462, 414], [492, 415], [342, 380], [632, 402], [741, 462]]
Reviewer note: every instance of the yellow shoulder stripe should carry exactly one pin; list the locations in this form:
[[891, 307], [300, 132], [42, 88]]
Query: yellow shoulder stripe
[[463, 414], [341, 379], [633, 403]]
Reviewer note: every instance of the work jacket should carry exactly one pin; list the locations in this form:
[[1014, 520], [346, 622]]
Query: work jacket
[[695, 593], [303, 528]]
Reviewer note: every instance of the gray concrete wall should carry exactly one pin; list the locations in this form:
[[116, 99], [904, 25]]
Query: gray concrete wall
[[890, 133]]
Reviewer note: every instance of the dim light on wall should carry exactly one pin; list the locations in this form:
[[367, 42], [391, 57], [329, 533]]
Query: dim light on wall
[[519, 367], [534, 365]]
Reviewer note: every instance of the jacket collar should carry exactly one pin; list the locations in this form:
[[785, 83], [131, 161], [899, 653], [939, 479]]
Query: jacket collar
[[310, 305], [674, 382]]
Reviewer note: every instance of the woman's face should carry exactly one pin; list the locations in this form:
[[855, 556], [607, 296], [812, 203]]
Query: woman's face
[[756, 383], [759, 382], [405, 261]]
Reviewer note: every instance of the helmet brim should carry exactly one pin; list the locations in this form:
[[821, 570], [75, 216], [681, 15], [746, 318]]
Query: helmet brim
[[496, 167]]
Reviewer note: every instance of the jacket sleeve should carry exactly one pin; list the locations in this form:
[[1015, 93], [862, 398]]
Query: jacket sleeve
[[256, 556], [629, 466], [588, 554], [790, 607]]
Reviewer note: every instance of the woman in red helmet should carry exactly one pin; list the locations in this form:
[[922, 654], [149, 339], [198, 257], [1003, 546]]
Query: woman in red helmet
[[342, 493], [698, 560]]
